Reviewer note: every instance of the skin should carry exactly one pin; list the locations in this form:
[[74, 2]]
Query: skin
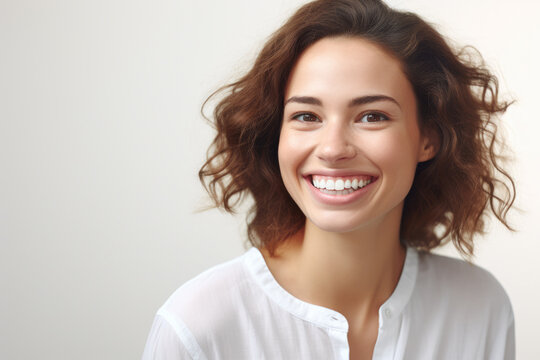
[[348, 256]]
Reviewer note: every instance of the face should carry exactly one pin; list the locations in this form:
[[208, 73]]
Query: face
[[349, 142]]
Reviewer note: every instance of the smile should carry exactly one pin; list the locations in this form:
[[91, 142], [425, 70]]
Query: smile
[[340, 185]]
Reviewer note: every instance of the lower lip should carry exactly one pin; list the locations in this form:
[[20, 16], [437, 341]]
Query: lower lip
[[338, 199]]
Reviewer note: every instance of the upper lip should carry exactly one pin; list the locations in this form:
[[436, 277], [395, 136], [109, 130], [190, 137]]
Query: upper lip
[[338, 173]]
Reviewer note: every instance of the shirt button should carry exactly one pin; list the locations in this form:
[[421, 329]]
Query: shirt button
[[334, 318], [388, 313]]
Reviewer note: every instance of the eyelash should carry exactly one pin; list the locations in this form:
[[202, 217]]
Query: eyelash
[[298, 116], [381, 116]]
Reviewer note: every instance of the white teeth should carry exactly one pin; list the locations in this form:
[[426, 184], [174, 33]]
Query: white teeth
[[339, 186], [330, 185], [333, 192]]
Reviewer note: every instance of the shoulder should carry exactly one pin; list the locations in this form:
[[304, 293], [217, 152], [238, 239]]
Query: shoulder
[[214, 300], [209, 289], [217, 309], [458, 310], [456, 274], [206, 306], [461, 287]]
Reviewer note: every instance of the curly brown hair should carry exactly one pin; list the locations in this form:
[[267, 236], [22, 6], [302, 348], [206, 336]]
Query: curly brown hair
[[457, 100]]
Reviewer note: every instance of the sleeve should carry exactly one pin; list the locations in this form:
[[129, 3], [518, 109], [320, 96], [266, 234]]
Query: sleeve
[[502, 341], [167, 341], [510, 343]]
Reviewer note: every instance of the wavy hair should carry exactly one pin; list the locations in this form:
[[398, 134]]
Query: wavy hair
[[458, 102]]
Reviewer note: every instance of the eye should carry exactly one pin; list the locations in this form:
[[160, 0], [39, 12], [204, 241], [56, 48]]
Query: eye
[[305, 117], [373, 117]]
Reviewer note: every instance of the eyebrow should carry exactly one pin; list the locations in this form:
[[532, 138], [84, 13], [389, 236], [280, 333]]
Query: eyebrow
[[362, 100]]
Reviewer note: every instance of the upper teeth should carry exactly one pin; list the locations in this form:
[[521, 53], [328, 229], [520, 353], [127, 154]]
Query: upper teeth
[[340, 184]]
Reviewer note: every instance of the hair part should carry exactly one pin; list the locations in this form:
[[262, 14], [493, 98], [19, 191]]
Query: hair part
[[458, 105]]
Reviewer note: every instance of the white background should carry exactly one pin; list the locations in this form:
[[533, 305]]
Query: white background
[[101, 139]]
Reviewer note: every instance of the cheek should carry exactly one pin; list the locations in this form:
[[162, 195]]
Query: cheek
[[284, 148], [293, 152], [292, 149], [395, 152], [288, 150]]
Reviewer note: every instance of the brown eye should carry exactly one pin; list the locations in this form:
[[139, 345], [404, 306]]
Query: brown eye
[[306, 117], [373, 117]]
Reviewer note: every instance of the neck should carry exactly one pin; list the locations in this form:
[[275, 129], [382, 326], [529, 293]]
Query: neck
[[353, 273]]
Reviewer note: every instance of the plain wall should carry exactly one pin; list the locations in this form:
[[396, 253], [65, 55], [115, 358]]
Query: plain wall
[[101, 139]]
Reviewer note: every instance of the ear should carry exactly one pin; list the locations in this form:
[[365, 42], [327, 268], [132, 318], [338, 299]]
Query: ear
[[429, 146]]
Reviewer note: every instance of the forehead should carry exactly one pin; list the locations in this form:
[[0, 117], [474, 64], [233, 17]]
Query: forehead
[[348, 67]]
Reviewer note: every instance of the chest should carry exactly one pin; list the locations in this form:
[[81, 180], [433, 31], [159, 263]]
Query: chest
[[362, 340]]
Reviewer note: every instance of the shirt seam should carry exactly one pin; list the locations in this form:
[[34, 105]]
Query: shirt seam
[[184, 335]]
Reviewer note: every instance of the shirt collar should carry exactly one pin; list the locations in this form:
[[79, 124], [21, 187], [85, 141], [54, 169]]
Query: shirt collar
[[321, 316]]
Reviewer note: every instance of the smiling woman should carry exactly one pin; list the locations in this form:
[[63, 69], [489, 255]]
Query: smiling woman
[[345, 133], [362, 127]]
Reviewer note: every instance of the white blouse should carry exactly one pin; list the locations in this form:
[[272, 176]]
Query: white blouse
[[442, 308]]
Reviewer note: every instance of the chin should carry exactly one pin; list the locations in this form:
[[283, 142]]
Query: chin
[[339, 227]]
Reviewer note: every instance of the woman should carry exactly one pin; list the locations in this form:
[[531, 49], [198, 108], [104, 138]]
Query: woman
[[364, 142]]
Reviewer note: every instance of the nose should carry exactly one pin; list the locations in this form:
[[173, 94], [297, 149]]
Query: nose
[[335, 143]]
